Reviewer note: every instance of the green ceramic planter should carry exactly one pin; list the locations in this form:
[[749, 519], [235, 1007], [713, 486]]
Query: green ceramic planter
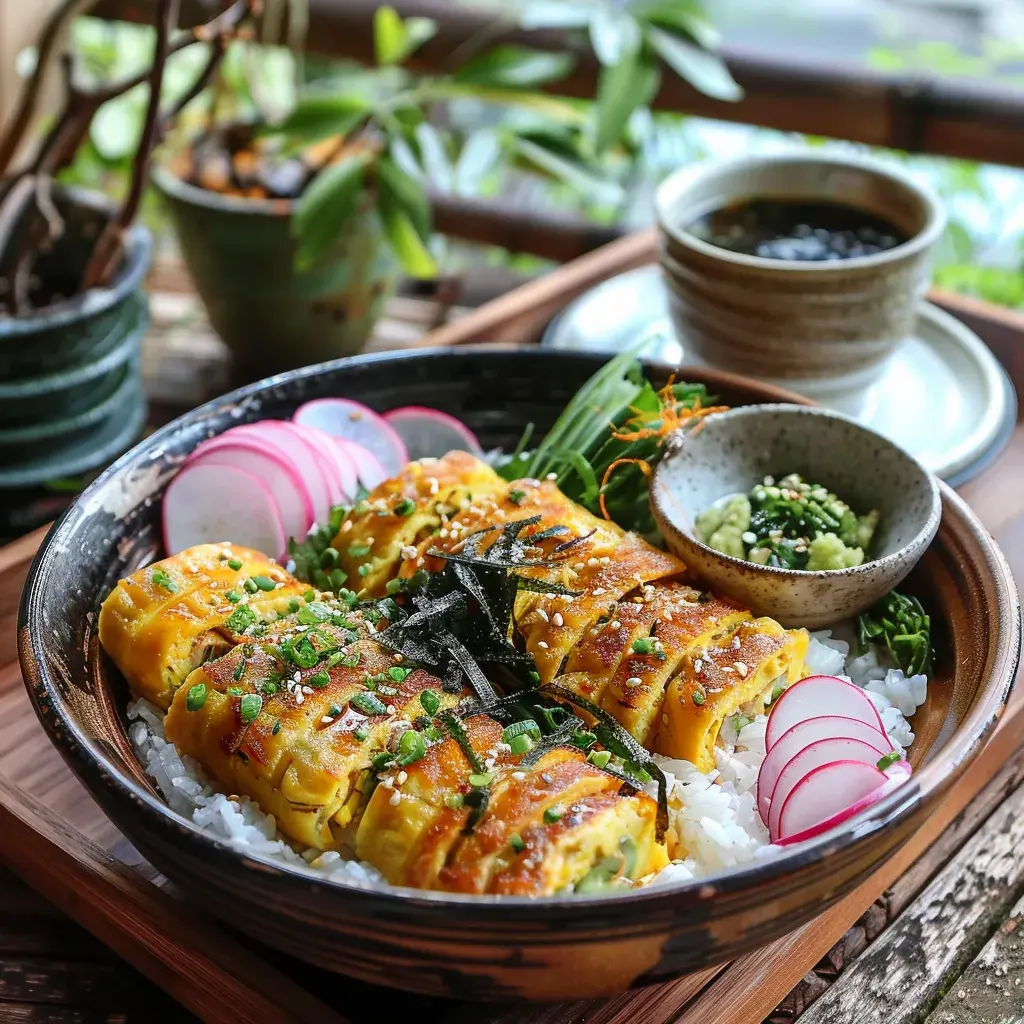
[[272, 316], [72, 332], [66, 393]]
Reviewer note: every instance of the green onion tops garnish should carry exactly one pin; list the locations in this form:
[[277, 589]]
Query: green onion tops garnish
[[516, 496], [699, 696], [405, 507], [430, 702], [233, 596], [516, 842], [265, 583], [889, 760], [235, 563], [249, 707], [239, 670], [551, 815], [196, 697], [277, 727], [645, 645], [318, 680], [453, 801], [599, 758], [358, 550], [162, 579], [901, 624], [411, 747], [368, 704], [241, 619]]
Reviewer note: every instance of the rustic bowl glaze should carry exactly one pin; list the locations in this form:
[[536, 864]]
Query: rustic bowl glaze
[[481, 947], [737, 449], [787, 320]]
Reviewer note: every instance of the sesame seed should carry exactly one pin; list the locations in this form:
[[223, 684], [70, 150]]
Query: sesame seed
[[597, 591], [434, 485], [541, 643], [634, 681], [606, 560], [298, 697], [557, 619], [326, 720], [519, 776], [398, 658], [616, 624], [443, 534], [742, 669], [396, 798], [543, 614], [580, 566], [391, 709], [403, 777], [551, 597], [346, 526], [409, 552], [592, 562], [551, 476]]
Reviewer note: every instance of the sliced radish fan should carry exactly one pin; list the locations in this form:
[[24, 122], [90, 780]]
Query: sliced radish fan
[[824, 764], [430, 432], [351, 421], [209, 503]]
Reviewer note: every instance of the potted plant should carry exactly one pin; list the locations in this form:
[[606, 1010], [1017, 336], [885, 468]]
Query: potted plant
[[295, 228], [72, 264]]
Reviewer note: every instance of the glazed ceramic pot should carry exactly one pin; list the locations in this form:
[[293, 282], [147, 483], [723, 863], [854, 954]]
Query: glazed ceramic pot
[[737, 449], [273, 316], [462, 946], [73, 331], [788, 320]]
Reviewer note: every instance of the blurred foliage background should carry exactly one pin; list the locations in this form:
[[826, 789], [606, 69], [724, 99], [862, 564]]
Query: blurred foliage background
[[982, 253]]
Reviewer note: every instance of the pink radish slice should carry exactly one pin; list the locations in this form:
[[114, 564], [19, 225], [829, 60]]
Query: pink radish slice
[[294, 447], [368, 468], [343, 464], [828, 796], [802, 735], [431, 433], [213, 503], [268, 466], [815, 696], [813, 756], [354, 422]]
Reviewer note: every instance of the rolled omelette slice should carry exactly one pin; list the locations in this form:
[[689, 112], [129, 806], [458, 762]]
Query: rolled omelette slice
[[684, 620], [163, 620], [737, 673], [402, 513], [298, 740]]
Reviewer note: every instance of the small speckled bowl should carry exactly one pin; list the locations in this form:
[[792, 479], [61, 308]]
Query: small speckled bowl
[[737, 449]]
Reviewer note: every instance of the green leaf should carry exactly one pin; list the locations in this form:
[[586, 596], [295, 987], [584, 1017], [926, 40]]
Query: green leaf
[[325, 206], [434, 157], [406, 194], [614, 34], [621, 89], [555, 14], [572, 172], [321, 114], [394, 39], [414, 256], [516, 67], [703, 70], [116, 127], [479, 156], [407, 160], [686, 16]]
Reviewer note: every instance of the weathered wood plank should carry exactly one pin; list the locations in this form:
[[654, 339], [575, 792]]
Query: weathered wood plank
[[992, 988], [940, 932]]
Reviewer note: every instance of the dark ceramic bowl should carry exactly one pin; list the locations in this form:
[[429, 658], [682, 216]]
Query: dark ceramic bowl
[[482, 947]]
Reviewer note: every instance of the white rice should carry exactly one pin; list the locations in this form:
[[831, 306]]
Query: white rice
[[713, 819]]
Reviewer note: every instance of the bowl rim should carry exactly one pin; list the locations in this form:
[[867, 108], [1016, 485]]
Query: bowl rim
[[675, 186], [916, 546], [100, 775]]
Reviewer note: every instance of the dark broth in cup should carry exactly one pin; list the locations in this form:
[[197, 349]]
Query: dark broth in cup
[[783, 229]]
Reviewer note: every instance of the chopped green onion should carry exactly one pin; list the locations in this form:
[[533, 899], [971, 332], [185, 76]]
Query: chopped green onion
[[196, 697], [516, 842], [889, 760], [319, 680], [411, 747], [430, 702], [699, 696], [405, 507], [368, 704], [481, 779], [516, 496], [358, 550], [599, 758], [239, 670], [235, 691], [162, 579], [249, 707], [645, 645], [528, 725], [393, 586], [264, 583], [382, 759], [233, 596], [361, 733], [329, 558], [397, 674], [454, 801], [521, 744], [235, 563], [310, 595], [251, 586], [551, 815], [364, 570], [277, 727]]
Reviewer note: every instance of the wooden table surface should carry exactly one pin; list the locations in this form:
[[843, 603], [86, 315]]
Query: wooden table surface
[[945, 945]]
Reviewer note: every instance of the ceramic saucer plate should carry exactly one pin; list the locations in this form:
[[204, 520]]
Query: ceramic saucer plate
[[943, 395]]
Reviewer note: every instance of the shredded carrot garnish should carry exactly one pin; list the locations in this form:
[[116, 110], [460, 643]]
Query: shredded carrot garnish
[[644, 466]]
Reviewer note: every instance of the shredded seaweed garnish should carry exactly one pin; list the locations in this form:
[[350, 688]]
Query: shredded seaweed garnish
[[637, 761]]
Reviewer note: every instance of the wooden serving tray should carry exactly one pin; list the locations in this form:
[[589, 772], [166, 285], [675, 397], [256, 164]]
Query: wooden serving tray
[[55, 836]]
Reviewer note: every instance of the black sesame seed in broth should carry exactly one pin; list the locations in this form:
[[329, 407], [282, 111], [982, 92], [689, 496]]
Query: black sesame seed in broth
[[807, 232]]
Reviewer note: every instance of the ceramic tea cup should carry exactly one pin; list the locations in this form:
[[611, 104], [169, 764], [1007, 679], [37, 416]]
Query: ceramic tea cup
[[791, 321]]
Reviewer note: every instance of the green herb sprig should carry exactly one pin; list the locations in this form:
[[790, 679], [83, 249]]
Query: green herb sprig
[[900, 623]]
